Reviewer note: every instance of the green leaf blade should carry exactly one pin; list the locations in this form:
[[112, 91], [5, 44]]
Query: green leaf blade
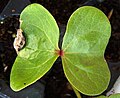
[[84, 43], [27, 75], [117, 95], [38, 55]]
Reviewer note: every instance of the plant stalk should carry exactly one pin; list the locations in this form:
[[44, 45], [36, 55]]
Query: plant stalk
[[76, 92]]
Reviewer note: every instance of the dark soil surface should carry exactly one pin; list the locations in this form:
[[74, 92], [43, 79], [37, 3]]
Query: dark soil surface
[[57, 85]]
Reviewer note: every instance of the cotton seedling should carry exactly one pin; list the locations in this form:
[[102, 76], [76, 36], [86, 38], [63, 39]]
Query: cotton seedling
[[87, 34]]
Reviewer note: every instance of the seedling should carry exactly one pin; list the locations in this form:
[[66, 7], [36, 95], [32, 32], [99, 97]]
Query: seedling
[[87, 34]]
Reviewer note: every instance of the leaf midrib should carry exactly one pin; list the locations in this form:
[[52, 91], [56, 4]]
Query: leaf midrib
[[36, 66], [84, 71], [43, 32]]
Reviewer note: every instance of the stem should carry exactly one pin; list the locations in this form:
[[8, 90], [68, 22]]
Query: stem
[[76, 92]]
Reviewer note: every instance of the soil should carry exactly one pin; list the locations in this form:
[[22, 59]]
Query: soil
[[56, 84]]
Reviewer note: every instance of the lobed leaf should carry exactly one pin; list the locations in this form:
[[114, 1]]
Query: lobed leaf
[[84, 43], [37, 57]]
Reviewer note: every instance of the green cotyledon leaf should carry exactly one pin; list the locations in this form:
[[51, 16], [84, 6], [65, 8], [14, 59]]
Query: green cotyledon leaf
[[37, 57], [111, 96], [87, 34], [115, 96]]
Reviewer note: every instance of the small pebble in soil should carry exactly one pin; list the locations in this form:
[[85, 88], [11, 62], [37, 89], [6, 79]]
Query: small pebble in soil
[[1, 22]]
